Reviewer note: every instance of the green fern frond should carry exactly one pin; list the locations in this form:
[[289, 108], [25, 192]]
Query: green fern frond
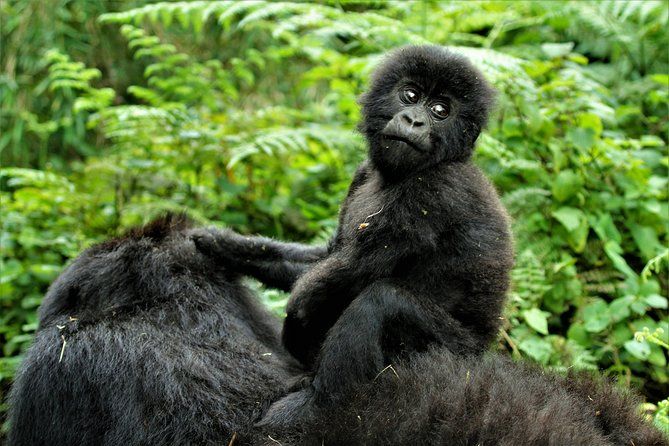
[[286, 140]]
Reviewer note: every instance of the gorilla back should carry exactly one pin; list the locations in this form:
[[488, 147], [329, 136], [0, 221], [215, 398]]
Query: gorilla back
[[140, 342]]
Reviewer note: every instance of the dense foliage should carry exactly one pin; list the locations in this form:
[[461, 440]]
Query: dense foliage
[[243, 114]]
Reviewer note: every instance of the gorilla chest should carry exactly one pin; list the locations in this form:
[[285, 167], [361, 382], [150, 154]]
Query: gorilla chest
[[365, 211], [377, 214]]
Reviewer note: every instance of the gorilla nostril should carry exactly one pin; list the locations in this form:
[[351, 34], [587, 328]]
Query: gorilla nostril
[[412, 119]]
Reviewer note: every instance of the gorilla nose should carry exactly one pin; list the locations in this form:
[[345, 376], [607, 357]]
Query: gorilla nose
[[413, 119]]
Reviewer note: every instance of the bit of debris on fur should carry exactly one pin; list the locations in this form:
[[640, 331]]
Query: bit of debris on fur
[[267, 354], [389, 366], [363, 226], [62, 350], [233, 439], [424, 211], [273, 439]]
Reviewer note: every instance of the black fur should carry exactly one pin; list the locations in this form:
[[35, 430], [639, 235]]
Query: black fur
[[423, 249], [168, 349], [159, 349], [437, 398]]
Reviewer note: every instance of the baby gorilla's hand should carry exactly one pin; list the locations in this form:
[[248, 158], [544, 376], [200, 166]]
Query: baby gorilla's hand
[[224, 245]]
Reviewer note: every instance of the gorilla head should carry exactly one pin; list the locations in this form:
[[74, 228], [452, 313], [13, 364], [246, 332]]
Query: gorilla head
[[425, 105]]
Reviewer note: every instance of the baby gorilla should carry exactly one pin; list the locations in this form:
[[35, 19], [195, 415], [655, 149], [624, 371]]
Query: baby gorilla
[[422, 252]]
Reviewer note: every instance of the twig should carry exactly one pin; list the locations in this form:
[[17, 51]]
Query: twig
[[512, 344], [389, 366], [62, 350], [232, 440]]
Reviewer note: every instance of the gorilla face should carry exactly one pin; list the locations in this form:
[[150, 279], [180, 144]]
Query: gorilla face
[[425, 105]]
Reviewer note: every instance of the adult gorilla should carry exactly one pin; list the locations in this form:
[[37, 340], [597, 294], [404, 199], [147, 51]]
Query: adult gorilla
[[142, 342]]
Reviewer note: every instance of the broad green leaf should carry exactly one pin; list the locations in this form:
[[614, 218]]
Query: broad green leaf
[[638, 349], [591, 121], [566, 184], [657, 356], [536, 319], [619, 309], [539, 349], [582, 138], [571, 218], [647, 241], [596, 316], [579, 334], [656, 301], [576, 223], [10, 270]]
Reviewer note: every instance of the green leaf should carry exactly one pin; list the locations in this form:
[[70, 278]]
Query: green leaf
[[619, 309], [647, 241], [591, 121], [555, 50], [578, 333], [656, 301], [45, 273], [536, 319], [582, 138], [606, 229], [657, 356], [596, 316], [640, 350], [566, 184], [537, 348], [612, 250], [576, 223], [10, 270], [570, 218]]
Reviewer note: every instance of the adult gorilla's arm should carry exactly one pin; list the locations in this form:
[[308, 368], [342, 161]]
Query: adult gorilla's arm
[[276, 264]]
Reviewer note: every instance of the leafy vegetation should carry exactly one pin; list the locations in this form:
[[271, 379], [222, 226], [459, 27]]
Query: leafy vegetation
[[243, 114]]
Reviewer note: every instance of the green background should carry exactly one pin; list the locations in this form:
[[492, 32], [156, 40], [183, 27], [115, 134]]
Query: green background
[[243, 114]]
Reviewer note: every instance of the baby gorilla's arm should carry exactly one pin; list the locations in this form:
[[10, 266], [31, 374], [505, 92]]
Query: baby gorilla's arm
[[276, 264], [320, 297]]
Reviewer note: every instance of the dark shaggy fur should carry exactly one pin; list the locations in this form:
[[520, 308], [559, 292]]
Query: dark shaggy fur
[[437, 398], [168, 350], [423, 248], [141, 342]]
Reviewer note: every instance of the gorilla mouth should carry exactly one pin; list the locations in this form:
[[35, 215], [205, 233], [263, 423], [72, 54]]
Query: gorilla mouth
[[406, 141]]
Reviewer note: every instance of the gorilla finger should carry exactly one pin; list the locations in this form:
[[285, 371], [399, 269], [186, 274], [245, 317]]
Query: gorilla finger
[[205, 241]]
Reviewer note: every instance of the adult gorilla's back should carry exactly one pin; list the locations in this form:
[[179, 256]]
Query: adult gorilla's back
[[142, 343]]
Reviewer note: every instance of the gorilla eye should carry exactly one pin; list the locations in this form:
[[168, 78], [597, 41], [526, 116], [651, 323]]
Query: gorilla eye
[[410, 95], [440, 110]]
